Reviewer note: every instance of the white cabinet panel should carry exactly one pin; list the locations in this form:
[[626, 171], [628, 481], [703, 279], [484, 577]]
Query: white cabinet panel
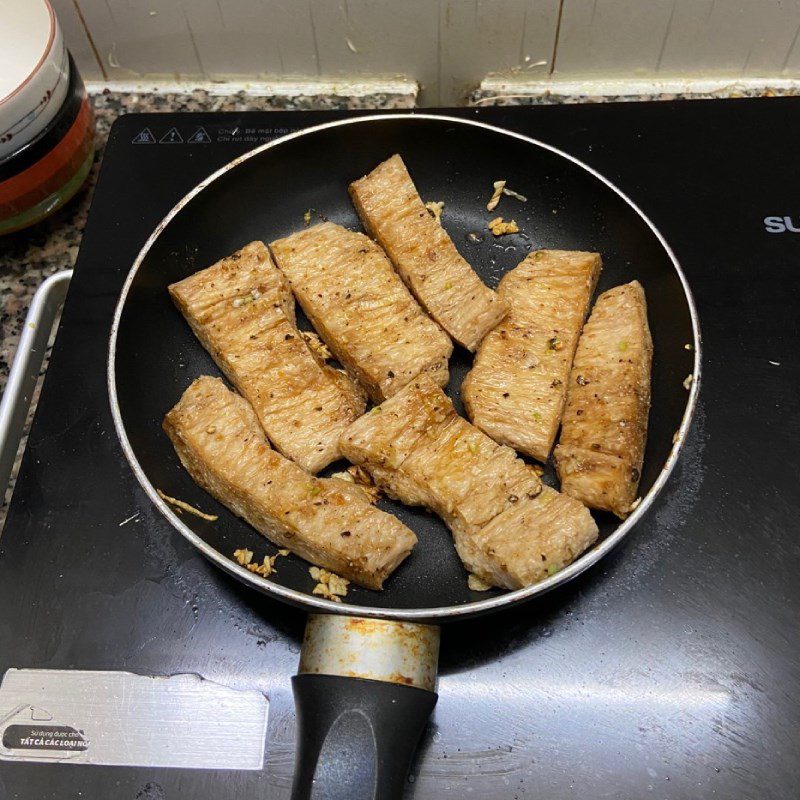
[[448, 46], [142, 37], [611, 37], [701, 38], [77, 40], [253, 38], [495, 36]]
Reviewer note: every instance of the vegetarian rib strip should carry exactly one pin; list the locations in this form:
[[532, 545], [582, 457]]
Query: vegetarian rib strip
[[424, 254], [242, 311], [361, 309], [517, 387], [600, 452], [327, 521], [508, 529]]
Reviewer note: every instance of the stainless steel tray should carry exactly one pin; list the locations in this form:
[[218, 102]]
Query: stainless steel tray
[[24, 374]]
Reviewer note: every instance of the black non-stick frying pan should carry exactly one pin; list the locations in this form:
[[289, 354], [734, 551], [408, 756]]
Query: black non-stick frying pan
[[367, 678]]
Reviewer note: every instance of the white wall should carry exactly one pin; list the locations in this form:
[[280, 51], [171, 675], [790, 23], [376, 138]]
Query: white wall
[[448, 46]]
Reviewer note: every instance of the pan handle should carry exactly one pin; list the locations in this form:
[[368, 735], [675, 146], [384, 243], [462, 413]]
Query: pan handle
[[363, 695], [24, 373]]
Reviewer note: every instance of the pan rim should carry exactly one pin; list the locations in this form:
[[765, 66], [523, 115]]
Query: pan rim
[[438, 613]]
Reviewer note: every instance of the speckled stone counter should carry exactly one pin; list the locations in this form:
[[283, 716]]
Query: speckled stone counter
[[30, 256]]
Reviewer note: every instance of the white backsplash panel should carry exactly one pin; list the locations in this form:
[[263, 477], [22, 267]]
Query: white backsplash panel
[[447, 46]]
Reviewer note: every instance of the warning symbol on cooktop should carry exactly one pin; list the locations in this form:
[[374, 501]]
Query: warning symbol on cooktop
[[200, 136], [144, 137], [171, 137]]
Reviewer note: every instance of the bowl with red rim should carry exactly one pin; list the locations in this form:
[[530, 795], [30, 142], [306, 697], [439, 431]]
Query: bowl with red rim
[[46, 120]]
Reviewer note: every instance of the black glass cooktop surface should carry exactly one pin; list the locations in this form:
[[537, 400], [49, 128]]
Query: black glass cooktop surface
[[669, 670]]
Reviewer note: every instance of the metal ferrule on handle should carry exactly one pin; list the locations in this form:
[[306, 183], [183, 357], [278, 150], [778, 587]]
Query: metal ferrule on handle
[[364, 692], [375, 649]]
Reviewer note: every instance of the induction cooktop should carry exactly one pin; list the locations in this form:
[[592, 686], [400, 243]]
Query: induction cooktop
[[669, 670]]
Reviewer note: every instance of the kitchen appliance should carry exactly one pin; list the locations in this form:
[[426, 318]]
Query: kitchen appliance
[[503, 686]]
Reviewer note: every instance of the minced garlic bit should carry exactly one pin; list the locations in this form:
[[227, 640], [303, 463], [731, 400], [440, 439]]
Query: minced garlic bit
[[499, 227], [329, 585], [338, 585], [179, 504], [498, 190], [476, 584], [316, 345], [435, 209], [307, 217], [635, 504], [265, 568], [248, 298], [687, 381], [516, 195], [687, 347], [362, 478], [244, 558]]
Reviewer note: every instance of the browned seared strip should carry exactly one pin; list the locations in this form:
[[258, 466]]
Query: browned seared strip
[[600, 452], [424, 254], [508, 529], [329, 522], [361, 309], [242, 311], [517, 387]]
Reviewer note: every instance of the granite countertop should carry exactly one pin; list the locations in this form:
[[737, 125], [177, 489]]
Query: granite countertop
[[30, 256]]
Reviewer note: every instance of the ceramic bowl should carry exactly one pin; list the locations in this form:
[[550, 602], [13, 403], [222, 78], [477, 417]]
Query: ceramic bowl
[[34, 71], [46, 171]]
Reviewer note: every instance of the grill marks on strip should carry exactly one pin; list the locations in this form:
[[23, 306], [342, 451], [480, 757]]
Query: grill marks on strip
[[221, 444], [516, 389], [601, 449], [422, 453], [424, 255], [242, 311], [361, 309]]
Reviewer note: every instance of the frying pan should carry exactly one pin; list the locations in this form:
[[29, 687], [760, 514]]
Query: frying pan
[[367, 672]]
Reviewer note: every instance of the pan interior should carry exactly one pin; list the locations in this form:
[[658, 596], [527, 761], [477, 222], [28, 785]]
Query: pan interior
[[267, 196]]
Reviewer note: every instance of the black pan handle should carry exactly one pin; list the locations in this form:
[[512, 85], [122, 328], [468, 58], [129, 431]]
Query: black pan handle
[[356, 737], [363, 696]]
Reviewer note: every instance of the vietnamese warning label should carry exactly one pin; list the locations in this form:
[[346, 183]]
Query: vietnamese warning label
[[123, 719], [56, 737]]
